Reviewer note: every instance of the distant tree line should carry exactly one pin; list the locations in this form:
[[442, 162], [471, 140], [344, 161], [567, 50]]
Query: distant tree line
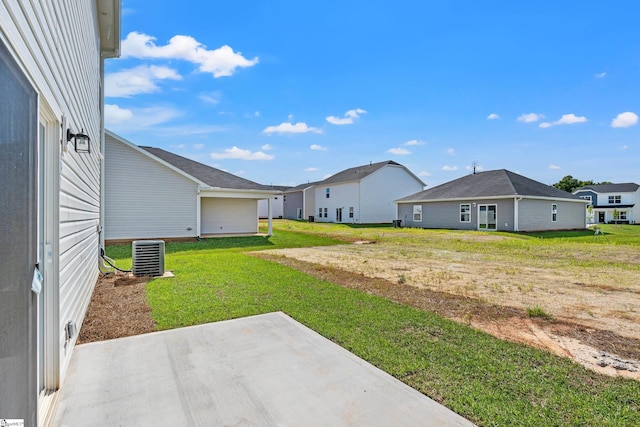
[[569, 183]]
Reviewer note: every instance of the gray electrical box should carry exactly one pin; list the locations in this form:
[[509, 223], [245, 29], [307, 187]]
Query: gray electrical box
[[148, 257]]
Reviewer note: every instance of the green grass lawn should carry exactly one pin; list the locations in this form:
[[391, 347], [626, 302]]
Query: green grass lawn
[[489, 381]]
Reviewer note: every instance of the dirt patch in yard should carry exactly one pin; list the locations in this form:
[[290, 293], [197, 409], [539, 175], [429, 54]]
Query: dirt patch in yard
[[118, 308], [494, 297]]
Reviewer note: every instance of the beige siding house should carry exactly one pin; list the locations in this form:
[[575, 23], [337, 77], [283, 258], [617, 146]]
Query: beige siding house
[[152, 193]]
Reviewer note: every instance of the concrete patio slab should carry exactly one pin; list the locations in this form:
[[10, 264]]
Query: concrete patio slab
[[266, 370]]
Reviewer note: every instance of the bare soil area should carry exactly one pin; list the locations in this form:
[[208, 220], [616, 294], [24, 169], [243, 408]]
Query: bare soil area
[[594, 319]]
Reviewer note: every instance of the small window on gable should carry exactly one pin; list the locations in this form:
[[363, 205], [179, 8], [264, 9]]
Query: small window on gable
[[465, 212], [417, 213], [328, 192], [554, 212]]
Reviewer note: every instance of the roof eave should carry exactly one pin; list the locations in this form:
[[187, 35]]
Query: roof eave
[[109, 24]]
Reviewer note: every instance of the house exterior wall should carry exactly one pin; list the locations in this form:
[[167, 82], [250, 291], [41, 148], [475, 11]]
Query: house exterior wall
[[145, 199], [590, 193], [343, 195], [536, 215], [291, 203], [277, 207], [226, 215], [308, 202], [602, 207], [446, 214], [379, 190], [57, 45]]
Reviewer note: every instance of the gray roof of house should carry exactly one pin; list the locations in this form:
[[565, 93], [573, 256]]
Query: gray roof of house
[[496, 183], [627, 187], [359, 172], [300, 187], [210, 176]]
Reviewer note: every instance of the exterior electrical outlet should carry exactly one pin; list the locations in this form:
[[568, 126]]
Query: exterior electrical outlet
[[148, 257]]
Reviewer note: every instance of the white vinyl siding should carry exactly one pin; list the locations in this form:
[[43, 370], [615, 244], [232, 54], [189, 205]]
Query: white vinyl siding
[[57, 43], [221, 216], [380, 190], [145, 199]]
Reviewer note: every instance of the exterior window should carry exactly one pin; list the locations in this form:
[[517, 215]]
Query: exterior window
[[554, 212], [587, 198], [319, 212], [615, 200], [465, 212], [326, 214], [351, 212], [328, 193], [622, 215], [417, 213]]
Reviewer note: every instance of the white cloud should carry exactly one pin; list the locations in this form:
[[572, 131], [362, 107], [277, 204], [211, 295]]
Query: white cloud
[[114, 114], [198, 146], [211, 97], [266, 147], [600, 75], [311, 169], [451, 151], [399, 151], [424, 173], [286, 127], [625, 120], [566, 119], [625, 147], [253, 115], [133, 81], [117, 118], [449, 168], [493, 116], [290, 117], [414, 142], [348, 119], [327, 176], [219, 62], [239, 173], [317, 147], [553, 167], [530, 118], [239, 153], [179, 146]]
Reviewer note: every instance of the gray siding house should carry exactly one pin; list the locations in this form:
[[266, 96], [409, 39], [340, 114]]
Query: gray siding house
[[493, 200], [299, 202]]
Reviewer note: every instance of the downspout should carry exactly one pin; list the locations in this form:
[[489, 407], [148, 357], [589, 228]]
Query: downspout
[[516, 212], [102, 157], [270, 230]]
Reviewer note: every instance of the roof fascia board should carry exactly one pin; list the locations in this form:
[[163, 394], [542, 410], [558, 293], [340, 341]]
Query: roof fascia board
[[464, 199]]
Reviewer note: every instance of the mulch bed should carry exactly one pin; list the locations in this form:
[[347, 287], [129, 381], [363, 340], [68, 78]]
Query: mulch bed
[[118, 308]]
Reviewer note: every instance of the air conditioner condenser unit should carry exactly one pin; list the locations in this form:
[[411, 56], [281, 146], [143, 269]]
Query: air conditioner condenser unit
[[148, 257]]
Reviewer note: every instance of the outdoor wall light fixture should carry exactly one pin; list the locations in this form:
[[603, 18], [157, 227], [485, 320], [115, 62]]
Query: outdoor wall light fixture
[[81, 141]]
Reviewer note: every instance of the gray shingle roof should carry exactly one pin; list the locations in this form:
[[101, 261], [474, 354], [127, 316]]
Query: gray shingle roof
[[627, 187], [357, 173], [488, 184], [300, 187], [210, 176]]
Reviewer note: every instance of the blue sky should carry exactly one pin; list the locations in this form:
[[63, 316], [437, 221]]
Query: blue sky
[[286, 92]]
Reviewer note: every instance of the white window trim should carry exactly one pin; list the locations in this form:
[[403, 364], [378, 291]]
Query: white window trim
[[468, 212], [417, 210], [554, 212]]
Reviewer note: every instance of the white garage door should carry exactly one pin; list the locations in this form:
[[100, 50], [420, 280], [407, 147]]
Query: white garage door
[[229, 215]]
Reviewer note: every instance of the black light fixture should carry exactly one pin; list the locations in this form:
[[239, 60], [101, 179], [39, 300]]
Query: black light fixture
[[81, 141]]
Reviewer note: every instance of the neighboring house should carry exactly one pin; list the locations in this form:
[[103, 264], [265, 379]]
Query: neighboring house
[[493, 200], [152, 193], [611, 202], [299, 202], [51, 78], [364, 194], [277, 204]]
